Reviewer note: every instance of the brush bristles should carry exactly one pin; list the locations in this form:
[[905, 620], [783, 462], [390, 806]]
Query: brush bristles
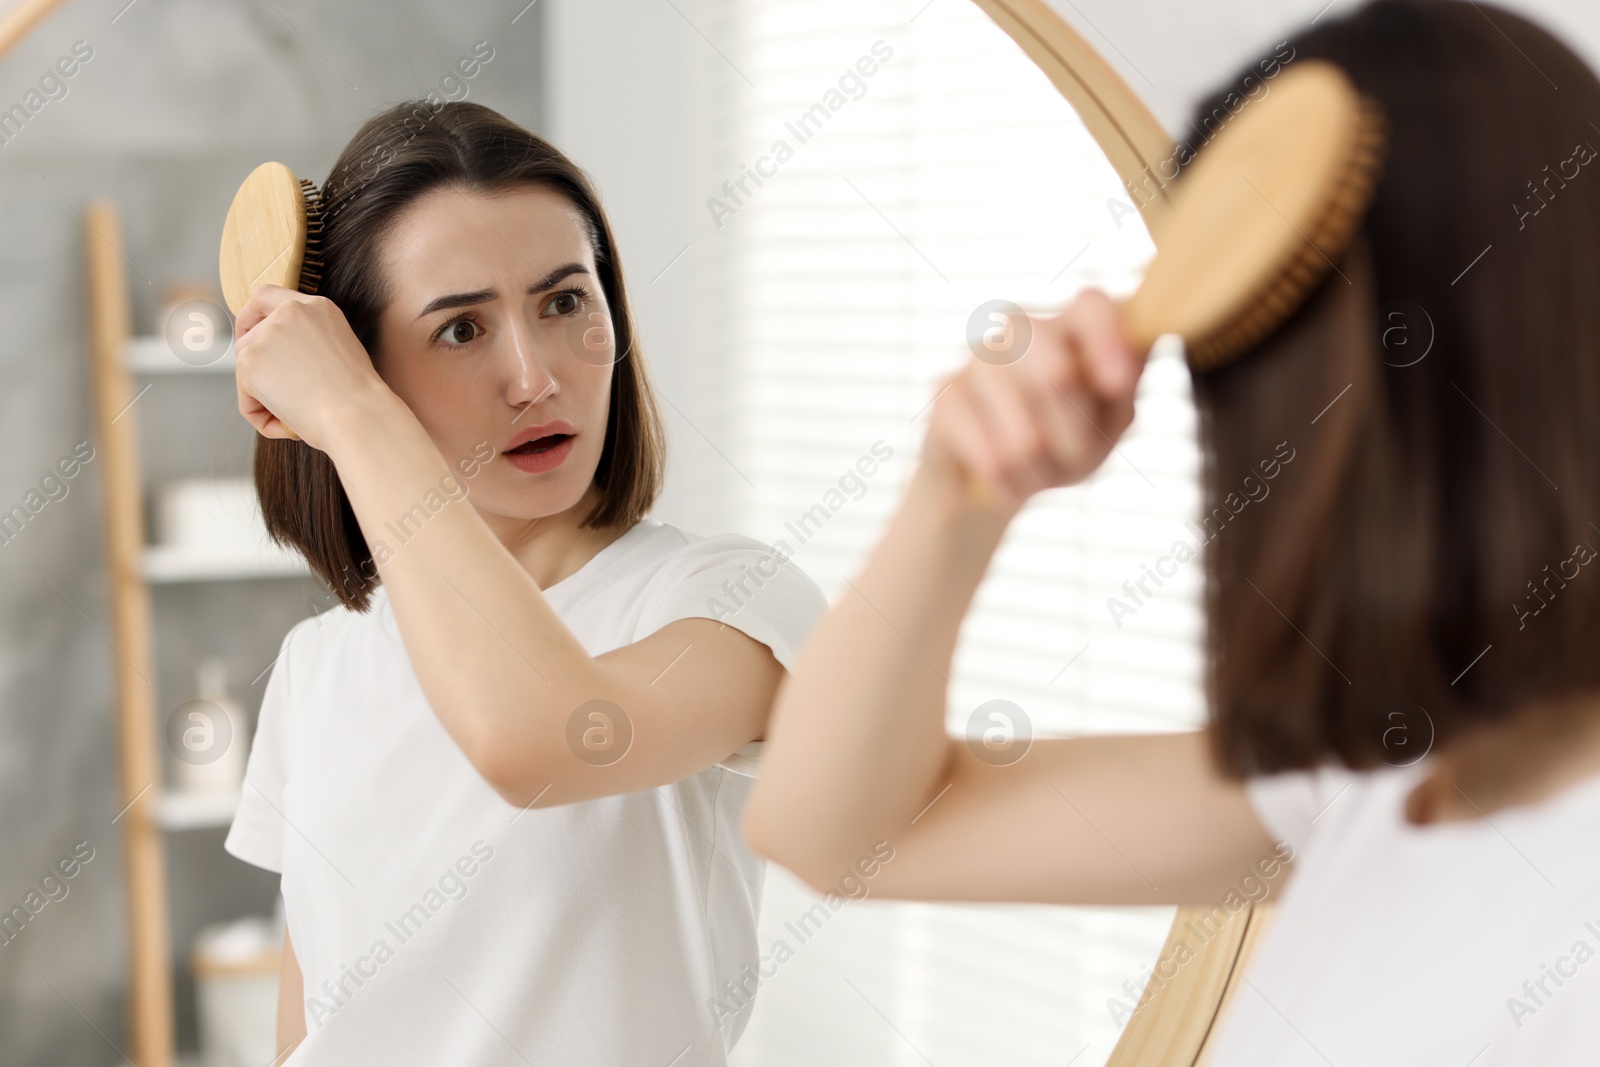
[[1326, 241], [311, 260]]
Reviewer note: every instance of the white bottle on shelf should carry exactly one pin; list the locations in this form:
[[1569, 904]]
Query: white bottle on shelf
[[208, 739]]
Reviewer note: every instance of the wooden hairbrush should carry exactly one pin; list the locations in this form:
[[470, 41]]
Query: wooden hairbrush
[[1258, 220], [272, 235]]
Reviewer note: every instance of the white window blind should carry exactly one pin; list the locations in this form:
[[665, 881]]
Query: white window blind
[[834, 292]]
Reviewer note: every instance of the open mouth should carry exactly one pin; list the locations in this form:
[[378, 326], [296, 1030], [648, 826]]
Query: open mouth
[[538, 445]]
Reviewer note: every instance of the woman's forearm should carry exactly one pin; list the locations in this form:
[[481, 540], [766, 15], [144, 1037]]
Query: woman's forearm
[[291, 1028], [858, 742], [496, 663]]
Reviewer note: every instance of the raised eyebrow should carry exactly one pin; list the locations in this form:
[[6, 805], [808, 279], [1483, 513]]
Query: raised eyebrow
[[456, 300], [550, 280], [481, 296]]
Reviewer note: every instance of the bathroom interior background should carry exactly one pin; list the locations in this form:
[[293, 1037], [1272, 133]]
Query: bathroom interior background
[[790, 329]]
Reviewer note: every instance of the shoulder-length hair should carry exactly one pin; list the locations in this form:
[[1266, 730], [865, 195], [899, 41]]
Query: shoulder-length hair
[[396, 157], [1425, 560]]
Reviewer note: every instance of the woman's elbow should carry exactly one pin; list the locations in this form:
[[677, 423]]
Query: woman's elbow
[[756, 836], [519, 779]]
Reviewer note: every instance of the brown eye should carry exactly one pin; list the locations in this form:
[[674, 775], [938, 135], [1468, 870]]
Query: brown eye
[[459, 332], [564, 303]]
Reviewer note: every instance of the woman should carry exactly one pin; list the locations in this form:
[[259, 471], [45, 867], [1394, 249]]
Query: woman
[[496, 778], [1420, 576]]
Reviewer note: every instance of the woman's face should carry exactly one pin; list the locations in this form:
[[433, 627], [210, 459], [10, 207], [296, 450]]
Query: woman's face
[[499, 338]]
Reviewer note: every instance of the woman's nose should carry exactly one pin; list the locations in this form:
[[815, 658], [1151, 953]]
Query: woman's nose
[[530, 379]]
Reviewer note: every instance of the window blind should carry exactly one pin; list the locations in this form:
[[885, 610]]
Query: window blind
[[876, 211]]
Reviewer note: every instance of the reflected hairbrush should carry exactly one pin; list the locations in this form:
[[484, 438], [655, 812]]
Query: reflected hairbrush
[[1258, 219], [273, 234], [1262, 215]]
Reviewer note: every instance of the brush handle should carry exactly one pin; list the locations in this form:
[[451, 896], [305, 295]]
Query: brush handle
[[1142, 336], [1141, 324]]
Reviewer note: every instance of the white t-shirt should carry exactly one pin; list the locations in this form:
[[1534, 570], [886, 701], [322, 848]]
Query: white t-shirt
[[1447, 945], [436, 923]]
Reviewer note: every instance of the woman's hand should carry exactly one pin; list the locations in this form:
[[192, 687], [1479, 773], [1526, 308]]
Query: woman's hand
[[300, 366], [1047, 419]]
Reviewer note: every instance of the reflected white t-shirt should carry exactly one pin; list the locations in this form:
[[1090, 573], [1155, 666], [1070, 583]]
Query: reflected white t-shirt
[[1447, 945], [436, 923]]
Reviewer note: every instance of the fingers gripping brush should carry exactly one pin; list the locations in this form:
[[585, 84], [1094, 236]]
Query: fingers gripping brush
[[1258, 220], [273, 234]]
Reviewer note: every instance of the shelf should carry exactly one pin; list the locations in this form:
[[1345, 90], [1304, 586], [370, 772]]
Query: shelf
[[217, 544], [195, 810], [150, 355], [166, 564]]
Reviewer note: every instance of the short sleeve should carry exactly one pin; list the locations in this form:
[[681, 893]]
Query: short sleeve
[[1289, 804], [757, 589], [256, 835]]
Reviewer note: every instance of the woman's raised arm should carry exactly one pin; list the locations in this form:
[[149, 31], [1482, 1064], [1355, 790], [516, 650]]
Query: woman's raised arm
[[857, 751]]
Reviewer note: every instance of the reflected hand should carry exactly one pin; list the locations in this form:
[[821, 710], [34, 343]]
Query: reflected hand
[[1002, 433], [300, 366]]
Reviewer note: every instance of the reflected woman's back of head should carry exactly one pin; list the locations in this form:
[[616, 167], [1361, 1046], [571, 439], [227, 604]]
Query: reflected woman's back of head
[[1428, 545]]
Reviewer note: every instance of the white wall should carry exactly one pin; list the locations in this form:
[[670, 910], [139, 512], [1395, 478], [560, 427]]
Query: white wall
[[620, 100]]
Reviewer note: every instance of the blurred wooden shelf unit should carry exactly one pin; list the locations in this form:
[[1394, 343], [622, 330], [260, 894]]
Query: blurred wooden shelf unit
[[115, 358]]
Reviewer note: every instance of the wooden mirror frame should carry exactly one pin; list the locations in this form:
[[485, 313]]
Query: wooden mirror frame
[[22, 17], [1129, 135]]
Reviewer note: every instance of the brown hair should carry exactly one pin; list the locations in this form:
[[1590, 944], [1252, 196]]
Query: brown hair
[[1420, 564], [396, 157]]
